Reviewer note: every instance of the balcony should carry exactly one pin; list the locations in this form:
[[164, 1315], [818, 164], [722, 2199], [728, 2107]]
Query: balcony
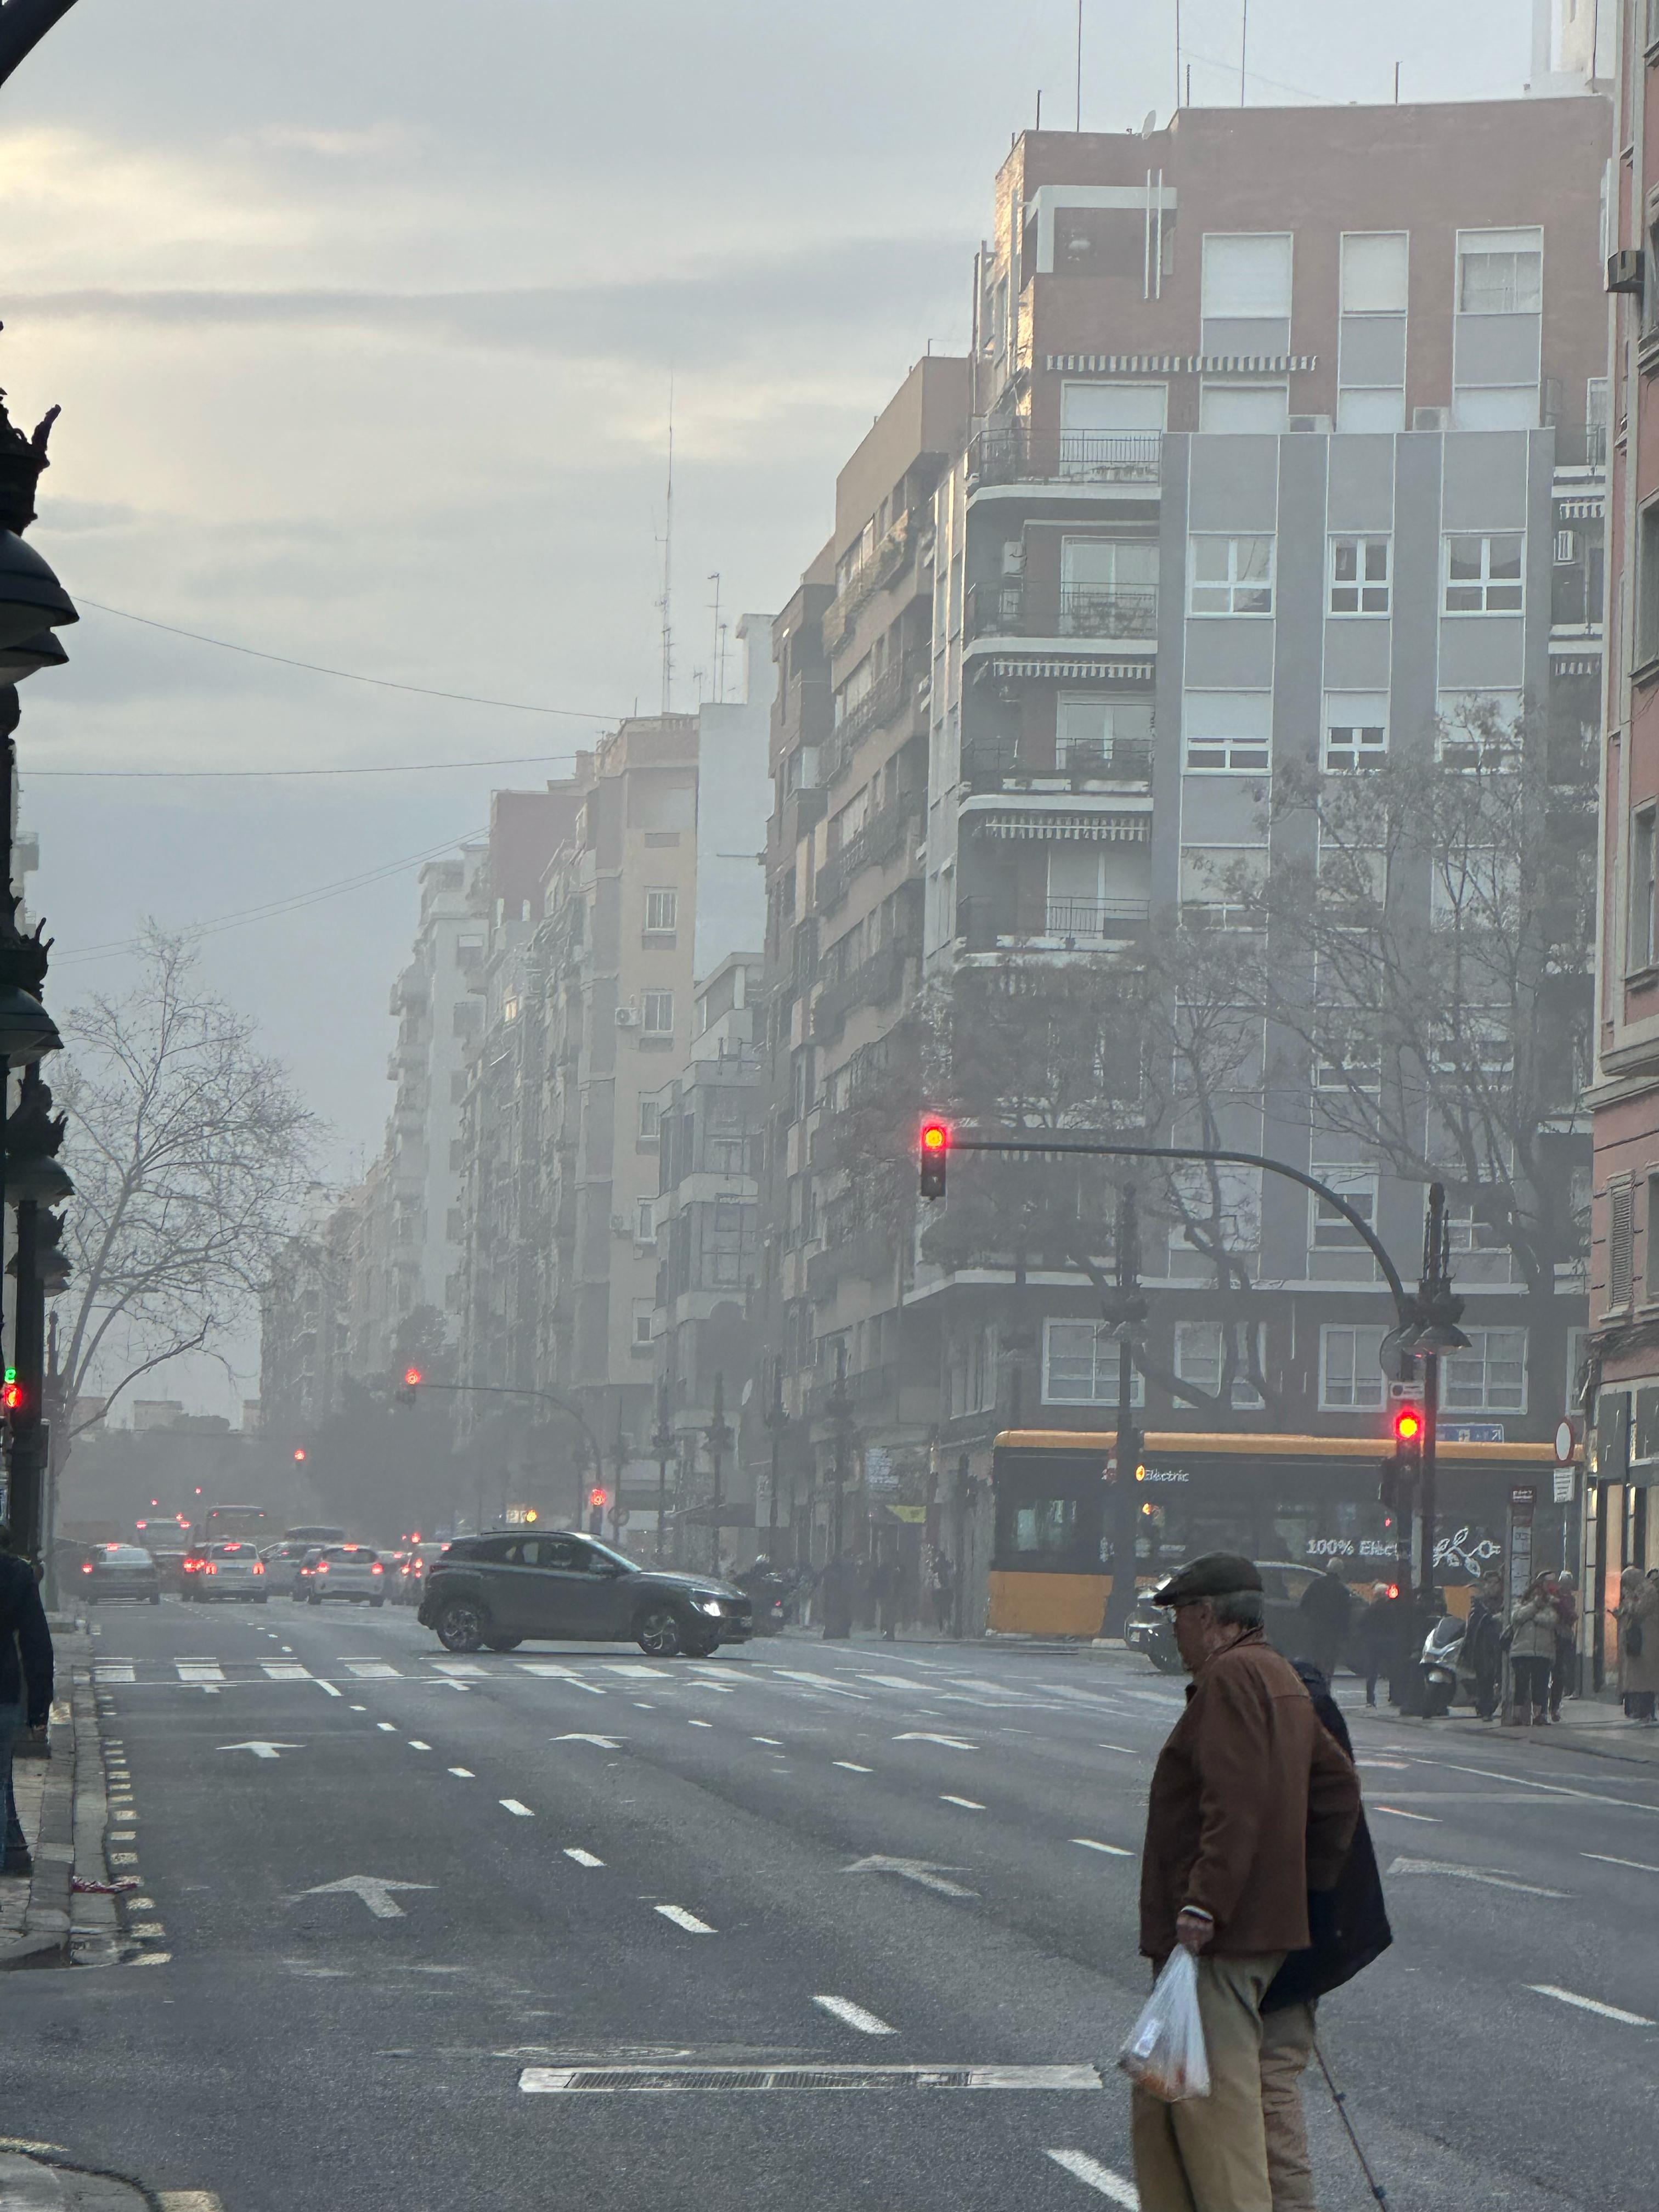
[[880, 566], [882, 838], [868, 1389], [1131, 460], [882, 703], [873, 983], [1104, 612], [1125, 765], [991, 924], [867, 1255]]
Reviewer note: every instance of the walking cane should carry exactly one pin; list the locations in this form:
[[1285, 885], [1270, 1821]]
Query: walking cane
[[1342, 2104]]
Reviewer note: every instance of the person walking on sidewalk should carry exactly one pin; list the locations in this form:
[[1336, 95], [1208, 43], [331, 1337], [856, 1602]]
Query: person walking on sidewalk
[[1327, 1611], [944, 1595], [1349, 1926], [1639, 1643], [1564, 1676], [1372, 1638], [1482, 1657], [25, 1682], [1253, 1805], [1532, 1652]]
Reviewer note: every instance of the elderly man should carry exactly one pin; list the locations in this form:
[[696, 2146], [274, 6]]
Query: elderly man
[[1253, 1804]]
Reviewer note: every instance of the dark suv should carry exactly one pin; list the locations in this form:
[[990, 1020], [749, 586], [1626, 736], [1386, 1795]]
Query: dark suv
[[497, 1590]]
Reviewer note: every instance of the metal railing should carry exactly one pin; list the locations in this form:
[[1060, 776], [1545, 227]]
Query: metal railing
[[987, 924], [1095, 918], [1125, 761], [1018, 454], [1079, 610]]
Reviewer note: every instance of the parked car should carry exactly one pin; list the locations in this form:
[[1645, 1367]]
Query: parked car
[[345, 1571], [495, 1591], [230, 1569], [121, 1571]]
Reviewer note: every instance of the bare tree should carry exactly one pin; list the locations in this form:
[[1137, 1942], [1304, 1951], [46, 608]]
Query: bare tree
[[189, 1151]]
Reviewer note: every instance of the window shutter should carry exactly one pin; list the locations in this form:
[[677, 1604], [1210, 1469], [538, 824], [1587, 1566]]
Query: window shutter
[[1621, 1225]]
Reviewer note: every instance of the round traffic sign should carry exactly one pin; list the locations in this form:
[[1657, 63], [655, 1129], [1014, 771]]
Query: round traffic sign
[[1565, 1443]]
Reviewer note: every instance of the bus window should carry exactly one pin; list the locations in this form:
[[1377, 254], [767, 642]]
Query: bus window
[[1049, 1524]]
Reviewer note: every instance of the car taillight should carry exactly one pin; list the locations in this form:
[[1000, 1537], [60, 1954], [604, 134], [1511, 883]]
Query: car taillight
[[321, 1567], [377, 1569], [258, 1566], [209, 1568], [86, 1569]]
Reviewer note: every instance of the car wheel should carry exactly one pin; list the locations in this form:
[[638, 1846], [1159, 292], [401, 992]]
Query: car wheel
[[156, 1599], [375, 1603], [313, 1599], [1166, 1665], [704, 1648], [462, 1624], [658, 1633], [503, 1643]]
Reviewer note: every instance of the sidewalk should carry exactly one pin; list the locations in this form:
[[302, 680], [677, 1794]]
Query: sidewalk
[[62, 1806], [36, 2184]]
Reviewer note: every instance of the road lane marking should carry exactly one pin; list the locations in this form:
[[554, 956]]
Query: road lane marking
[[853, 2016], [189, 2200], [391, 1727], [199, 1670], [852, 1766], [359, 1709], [1607, 1859], [329, 1690], [464, 1773], [643, 1706], [371, 1670], [1128, 1753], [1400, 1765], [511, 1805], [1116, 1850], [415, 1744], [576, 2080], [582, 1858], [1489, 1878], [1548, 1788], [775, 1740], [262, 1750], [1400, 1814], [1094, 2175], [682, 1918], [927, 1874], [1590, 2004], [968, 1804], [708, 1724], [950, 1742], [285, 1670], [603, 1742]]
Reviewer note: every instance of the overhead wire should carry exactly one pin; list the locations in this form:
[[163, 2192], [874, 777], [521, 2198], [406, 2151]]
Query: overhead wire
[[198, 774]]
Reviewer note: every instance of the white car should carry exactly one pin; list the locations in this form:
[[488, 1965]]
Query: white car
[[230, 1569], [348, 1571]]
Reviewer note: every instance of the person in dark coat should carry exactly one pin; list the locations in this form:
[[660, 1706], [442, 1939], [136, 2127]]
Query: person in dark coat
[[1482, 1655], [1350, 1928], [1327, 1610], [1373, 1639], [26, 1684]]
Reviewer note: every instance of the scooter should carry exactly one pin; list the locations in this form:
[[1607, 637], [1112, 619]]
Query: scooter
[[1444, 1682]]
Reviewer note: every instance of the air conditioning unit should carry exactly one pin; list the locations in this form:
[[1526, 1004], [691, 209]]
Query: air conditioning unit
[[1624, 271], [1431, 418], [627, 1017], [1319, 425]]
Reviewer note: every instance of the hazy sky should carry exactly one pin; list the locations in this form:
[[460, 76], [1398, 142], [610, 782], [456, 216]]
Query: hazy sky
[[362, 315]]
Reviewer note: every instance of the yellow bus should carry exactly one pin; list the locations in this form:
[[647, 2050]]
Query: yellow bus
[[1305, 1500]]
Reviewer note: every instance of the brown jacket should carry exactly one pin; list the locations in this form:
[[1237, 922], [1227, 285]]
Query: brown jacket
[[1252, 1806]]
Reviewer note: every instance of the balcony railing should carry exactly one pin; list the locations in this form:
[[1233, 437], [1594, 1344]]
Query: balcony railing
[[883, 837], [1095, 918], [991, 924], [1020, 455], [872, 983], [882, 703], [1125, 763], [867, 1388], [1079, 610]]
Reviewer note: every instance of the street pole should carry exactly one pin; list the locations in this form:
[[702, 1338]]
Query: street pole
[[662, 1442], [1126, 1310], [775, 1419], [840, 1413], [622, 1461], [719, 1443]]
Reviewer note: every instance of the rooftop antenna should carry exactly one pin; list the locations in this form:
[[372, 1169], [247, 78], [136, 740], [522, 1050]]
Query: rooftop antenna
[[666, 602], [1177, 31], [1243, 48], [719, 661], [1079, 64]]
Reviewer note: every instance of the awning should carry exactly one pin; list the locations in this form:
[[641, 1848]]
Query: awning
[[1069, 670], [1073, 828], [1580, 510], [1180, 364]]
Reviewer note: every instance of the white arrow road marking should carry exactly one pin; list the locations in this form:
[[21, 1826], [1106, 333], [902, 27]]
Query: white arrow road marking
[[854, 2015], [1590, 2004], [1094, 2175], [1116, 1851], [582, 1858], [682, 1918], [604, 1742], [926, 1872], [1641, 1866], [950, 1742], [262, 1750], [1490, 1881], [375, 1890], [511, 1805]]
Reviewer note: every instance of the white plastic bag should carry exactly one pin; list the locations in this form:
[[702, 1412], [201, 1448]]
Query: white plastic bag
[[1165, 2051]]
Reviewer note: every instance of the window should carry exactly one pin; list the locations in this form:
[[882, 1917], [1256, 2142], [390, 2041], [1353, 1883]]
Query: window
[[1500, 272], [1350, 1372], [1048, 1524], [1647, 584], [1483, 573], [1081, 1364], [1356, 729], [661, 908], [657, 1013], [1228, 731], [1640, 949], [1480, 729], [1250, 409], [469, 952], [1374, 268], [1491, 1377], [650, 1120], [1090, 730], [1621, 1244], [642, 1312], [645, 1221], [1360, 575], [1198, 1347], [1329, 1231], [1231, 575], [1247, 274]]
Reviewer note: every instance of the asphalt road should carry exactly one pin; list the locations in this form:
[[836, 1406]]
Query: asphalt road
[[799, 1856]]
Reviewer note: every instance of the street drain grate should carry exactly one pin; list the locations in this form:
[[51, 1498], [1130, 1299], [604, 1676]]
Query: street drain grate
[[572, 2080]]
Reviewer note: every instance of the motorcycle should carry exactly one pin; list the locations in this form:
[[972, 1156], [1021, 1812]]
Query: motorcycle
[[1444, 1684], [770, 1594]]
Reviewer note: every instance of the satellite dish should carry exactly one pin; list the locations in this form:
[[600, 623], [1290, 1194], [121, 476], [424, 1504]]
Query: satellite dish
[[1150, 123]]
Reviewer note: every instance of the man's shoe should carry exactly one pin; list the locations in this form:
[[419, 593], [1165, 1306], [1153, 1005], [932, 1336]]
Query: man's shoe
[[18, 1862]]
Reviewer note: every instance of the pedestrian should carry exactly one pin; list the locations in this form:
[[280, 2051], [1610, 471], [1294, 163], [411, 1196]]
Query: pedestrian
[[1371, 1638], [945, 1594], [1482, 1655], [1564, 1676], [837, 1593], [25, 1682], [1349, 1926], [884, 1593], [1637, 1617], [1531, 1636], [1253, 1805], [1327, 1611]]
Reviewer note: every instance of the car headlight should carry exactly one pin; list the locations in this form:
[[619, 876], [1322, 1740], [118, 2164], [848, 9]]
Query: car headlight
[[706, 1602]]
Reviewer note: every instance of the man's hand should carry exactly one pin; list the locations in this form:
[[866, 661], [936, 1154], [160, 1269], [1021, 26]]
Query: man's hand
[[1194, 1931]]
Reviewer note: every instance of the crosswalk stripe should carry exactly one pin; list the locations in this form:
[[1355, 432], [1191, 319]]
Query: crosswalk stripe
[[1591, 2004], [682, 1918], [1115, 1850], [371, 1670], [1095, 2176], [105, 1673], [285, 1670], [843, 2009], [582, 1858], [199, 1670]]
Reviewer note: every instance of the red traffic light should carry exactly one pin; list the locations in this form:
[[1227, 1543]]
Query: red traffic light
[[13, 1397], [935, 1136], [1408, 1426], [599, 1498], [412, 1377], [299, 1451], [935, 1146]]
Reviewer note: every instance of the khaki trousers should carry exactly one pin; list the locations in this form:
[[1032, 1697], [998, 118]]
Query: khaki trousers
[[1287, 2042], [1209, 2153]]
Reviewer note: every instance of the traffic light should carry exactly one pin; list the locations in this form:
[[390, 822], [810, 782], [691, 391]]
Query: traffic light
[[411, 1382], [1408, 1437], [598, 1499], [14, 1399], [935, 1151], [298, 1453]]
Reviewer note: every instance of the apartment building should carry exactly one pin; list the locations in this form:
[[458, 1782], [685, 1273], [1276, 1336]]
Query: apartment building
[[304, 1320], [1288, 455]]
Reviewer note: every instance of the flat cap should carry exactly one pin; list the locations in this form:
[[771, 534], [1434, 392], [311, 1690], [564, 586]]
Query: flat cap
[[1218, 1574]]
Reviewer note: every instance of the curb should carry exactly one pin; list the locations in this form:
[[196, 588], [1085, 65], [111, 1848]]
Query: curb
[[45, 1941]]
